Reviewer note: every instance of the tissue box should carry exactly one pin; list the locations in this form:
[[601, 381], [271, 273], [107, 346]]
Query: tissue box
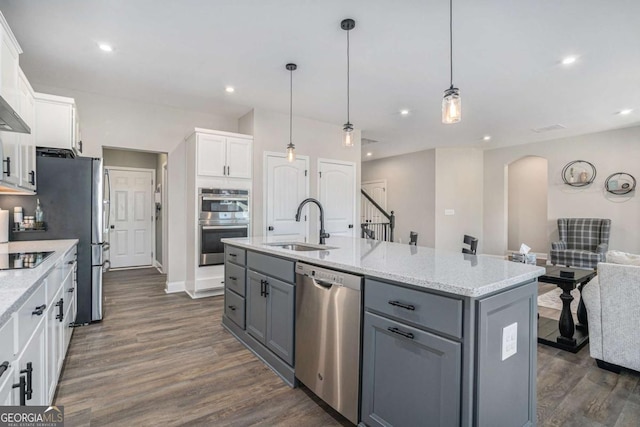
[[524, 258]]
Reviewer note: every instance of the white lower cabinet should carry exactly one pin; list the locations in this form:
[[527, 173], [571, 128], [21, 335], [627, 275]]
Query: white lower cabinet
[[42, 330]]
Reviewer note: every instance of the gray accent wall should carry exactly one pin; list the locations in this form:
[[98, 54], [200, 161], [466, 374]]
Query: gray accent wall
[[411, 192]]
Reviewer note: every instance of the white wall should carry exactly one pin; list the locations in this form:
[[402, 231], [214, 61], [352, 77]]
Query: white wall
[[410, 192], [527, 204], [121, 123], [311, 138], [458, 187], [610, 152]]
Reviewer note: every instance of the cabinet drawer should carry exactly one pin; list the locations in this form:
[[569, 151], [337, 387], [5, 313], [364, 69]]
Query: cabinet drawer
[[271, 266], [27, 320], [431, 311], [234, 278], [69, 261], [233, 254], [6, 338], [234, 307]]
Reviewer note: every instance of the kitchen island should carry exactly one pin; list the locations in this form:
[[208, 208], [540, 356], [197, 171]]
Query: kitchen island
[[447, 338]]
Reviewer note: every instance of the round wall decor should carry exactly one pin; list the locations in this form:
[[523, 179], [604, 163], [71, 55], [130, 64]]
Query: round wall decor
[[578, 173], [620, 183]]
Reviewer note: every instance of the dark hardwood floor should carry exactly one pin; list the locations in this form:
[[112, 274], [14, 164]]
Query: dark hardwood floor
[[159, 359]]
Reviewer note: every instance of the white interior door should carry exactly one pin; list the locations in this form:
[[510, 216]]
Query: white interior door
[[287, 184], [337, 191], [378, 192], [132, 228]]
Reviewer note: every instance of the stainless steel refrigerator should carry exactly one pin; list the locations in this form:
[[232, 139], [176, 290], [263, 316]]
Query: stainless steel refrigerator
[[71, 195]]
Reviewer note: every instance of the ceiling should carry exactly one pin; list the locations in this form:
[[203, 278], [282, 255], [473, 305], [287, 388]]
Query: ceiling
[[506, 61]]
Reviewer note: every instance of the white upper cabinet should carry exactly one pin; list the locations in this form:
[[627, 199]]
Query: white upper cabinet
[[56, 124], [9, 55], [26, 109], [211, 155], [239, 158], [224, 156]]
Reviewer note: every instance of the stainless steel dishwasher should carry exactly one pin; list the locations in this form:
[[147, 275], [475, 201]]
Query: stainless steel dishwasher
[[327, 357]]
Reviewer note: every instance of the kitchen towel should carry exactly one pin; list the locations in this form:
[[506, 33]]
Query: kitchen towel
[[4, 226]]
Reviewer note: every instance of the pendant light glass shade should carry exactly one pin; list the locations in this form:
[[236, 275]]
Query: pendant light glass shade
[[347, 135], [291, 152], [291, 149], [451, 106]]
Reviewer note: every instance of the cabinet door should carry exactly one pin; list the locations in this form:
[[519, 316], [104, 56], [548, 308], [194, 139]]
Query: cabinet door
[[239, 158], [11, 157], [211, 155], [27, 141], [9, 70], [280, 309], [54, 345], [54, 124], [256, 315], [35, 354], [409, 377], [6, 387]]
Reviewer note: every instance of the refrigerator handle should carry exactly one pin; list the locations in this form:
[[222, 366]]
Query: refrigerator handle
[[107, 200]]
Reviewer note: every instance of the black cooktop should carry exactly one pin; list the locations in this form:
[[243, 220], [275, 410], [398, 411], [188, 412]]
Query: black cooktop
[[22, 260]]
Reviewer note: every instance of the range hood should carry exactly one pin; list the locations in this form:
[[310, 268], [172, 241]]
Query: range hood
[[10, 121]]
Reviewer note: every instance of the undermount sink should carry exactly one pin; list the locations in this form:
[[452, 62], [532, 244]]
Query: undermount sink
[[296, 246]]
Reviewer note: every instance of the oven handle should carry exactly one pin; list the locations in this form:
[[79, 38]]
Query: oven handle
[[222, 227], [244, 199]]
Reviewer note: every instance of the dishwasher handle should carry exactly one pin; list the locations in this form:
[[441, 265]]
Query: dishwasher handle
[[323, 283]]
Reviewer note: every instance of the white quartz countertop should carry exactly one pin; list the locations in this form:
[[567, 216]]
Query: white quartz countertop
[[445, 271], [17, 285]]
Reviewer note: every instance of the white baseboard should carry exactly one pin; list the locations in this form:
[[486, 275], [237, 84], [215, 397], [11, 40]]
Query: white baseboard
[[205, 294], [158, 266], [173, 287]]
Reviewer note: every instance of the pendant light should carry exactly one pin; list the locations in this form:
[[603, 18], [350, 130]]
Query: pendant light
[[291, 149], [451, 102], [347, 129]]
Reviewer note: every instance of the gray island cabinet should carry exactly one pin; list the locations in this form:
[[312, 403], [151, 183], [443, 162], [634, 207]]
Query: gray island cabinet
[[447, 339]]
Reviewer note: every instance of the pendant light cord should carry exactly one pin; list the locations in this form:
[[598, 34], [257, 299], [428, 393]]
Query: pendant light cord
[[451, 42], [348, 100], [291, 107]]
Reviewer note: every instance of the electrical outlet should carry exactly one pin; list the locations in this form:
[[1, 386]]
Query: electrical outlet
[[449, 212], [509, 340]]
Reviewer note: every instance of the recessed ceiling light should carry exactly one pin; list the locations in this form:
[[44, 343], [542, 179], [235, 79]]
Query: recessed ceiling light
[[625, 111], [229, 89], [569, 60], [105, 47], [404, 112], [486, 137], [369, 154]]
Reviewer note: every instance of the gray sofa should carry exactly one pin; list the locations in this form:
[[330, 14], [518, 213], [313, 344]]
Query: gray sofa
[[612, 300]]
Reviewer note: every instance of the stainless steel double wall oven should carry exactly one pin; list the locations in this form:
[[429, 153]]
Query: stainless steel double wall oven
[[223, 214]]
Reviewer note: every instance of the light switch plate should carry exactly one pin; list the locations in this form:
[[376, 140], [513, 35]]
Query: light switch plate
[[449, 212], [509, 340]]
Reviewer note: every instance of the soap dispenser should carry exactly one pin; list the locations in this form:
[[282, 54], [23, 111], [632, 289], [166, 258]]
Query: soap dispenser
[[39, 215]]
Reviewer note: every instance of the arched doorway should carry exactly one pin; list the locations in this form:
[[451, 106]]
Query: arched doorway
[[527, 204]]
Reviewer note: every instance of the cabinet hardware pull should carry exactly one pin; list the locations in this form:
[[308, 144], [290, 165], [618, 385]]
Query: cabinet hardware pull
[[261, 288], [228, 170], [70, 262], [270, 228], [71, 290], [8, 162], [266, 292], [3, 368], [29, 372], [401, 305], [39, 310], [399, 332], [60, 305], [233, 278], [22, 385], [232, 307], [32, 177], [233, 255]]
